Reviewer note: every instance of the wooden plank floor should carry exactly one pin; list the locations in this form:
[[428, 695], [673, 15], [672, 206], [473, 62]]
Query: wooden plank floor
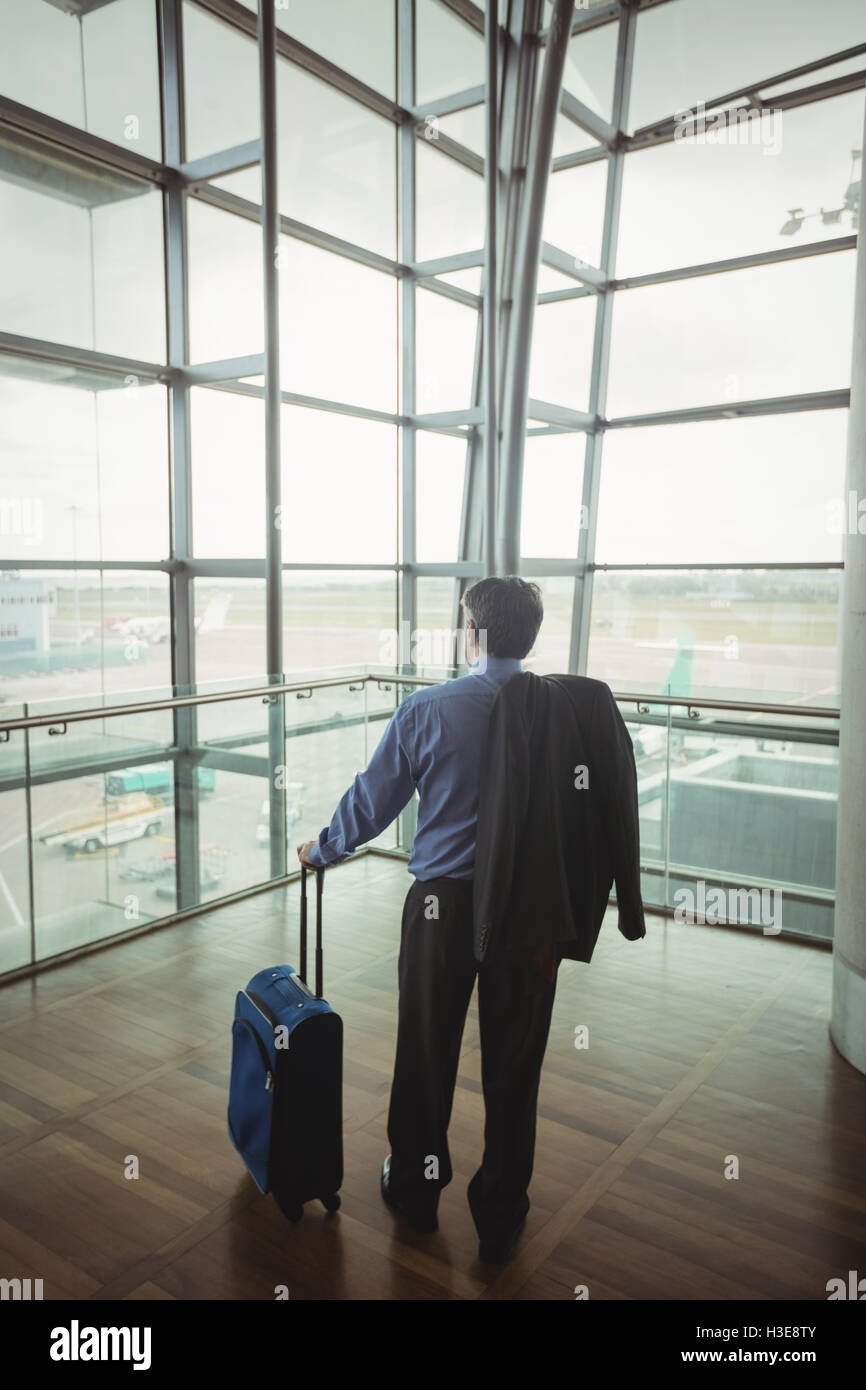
[[703, 1044]]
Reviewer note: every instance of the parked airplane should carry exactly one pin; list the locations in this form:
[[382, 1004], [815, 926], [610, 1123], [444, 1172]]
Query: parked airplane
[[154, 630]]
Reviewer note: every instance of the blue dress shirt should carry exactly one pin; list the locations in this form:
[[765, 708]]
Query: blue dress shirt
[[434, 743]]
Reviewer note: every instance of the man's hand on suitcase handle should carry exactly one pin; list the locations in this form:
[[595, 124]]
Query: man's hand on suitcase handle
[[304, 854]]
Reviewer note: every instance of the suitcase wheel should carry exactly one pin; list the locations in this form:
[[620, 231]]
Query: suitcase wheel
[[331, 1203], [292, 1211]]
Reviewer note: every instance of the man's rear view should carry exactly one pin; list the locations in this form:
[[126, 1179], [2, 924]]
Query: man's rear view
[[436, 742]]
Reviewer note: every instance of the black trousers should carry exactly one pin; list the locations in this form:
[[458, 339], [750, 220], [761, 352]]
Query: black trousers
[[436, 974]]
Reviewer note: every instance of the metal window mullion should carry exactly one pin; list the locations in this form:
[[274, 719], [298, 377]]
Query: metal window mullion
[[749, 261], [686, 566], [836, 399], [491, 305], [477, 532], [582, 605], [270, 215], [406, 253], [516, 349], [43, 349], [185, 721], [73, 140], [406, 218]]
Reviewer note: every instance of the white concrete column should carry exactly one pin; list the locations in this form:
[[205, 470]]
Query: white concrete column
[[848, 1021]]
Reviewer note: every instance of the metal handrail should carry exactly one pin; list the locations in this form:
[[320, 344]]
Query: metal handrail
[[740, 706], [267, 692]]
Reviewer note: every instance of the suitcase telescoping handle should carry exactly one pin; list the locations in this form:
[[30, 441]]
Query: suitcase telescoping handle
[[320, 877]]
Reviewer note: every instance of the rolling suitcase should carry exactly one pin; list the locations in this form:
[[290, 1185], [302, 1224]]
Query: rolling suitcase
[[285, 1111]]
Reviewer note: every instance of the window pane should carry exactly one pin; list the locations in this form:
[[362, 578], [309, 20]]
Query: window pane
[[568, 137], [338, 328], [338, 620], [450, 205], [339, 488], [755, 478], [550, 279], [574, 210], [244, 183], [330, 620], [82, 254], [691, 51], [687, 203], [226, 315], [337, 162], [466, 127], [590, 63], [773, 330], [434, 643], [98, 71], [449, 54], [358, 38], [85, 470], [552, 495], [227, 435], [748, 635], [469, 279], [550, 653], [445, 352], [440, 463], [82, 633], [435, 595], [561, 362], [221, 72], [229, 630]]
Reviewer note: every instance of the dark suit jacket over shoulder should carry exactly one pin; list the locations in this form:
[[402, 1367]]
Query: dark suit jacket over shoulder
[[557, 819]]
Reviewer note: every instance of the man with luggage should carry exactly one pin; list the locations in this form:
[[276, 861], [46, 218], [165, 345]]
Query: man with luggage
[[435, 743]]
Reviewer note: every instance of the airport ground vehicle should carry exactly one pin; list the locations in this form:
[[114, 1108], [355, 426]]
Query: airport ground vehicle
[[146, 870], [132, 823], [213, 860], [153, 778]]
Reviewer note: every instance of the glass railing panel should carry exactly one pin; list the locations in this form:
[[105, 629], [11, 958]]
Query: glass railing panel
[[13, 750], [325, 748], [66, 743], [650, 741], [757, 814], [82, 836], [733, 800], [14, 851], [737, 828]]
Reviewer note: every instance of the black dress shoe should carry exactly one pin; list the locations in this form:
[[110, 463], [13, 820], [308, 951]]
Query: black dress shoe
[[500, 1250], [421, 1217]]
